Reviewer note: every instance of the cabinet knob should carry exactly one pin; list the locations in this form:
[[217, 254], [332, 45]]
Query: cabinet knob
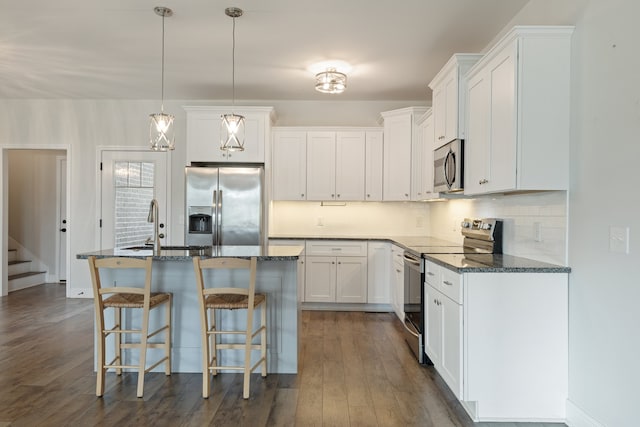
[[338, 196], [483, 181], [302, 195], [368, 195], [333, 262], [332, 196], [406, 195]]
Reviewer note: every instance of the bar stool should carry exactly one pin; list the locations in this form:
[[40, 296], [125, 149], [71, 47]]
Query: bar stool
[[226, 297], [128, 297]]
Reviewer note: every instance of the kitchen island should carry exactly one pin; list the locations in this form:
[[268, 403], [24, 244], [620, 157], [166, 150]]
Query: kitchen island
[[277, 276]]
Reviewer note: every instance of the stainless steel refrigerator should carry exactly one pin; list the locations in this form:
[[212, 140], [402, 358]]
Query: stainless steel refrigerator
[[224, 205]]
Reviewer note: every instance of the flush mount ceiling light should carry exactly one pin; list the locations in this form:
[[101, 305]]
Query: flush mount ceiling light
[[161, 130], [331, 81], [232, 125]]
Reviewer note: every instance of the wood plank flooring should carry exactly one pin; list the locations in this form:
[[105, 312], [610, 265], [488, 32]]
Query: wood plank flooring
[[355, 370]]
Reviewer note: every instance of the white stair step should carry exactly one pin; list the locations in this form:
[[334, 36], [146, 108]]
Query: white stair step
[[13, 254], [26, 280], [19, 267]]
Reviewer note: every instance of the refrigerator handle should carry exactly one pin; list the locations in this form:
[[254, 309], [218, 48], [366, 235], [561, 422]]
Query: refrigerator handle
[[214, 228], [219, 220]]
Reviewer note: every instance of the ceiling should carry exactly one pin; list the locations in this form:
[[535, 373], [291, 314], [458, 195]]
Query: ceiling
[[98, 49]]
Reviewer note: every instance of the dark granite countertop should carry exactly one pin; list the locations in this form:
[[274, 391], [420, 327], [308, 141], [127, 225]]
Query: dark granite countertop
[[263, 253], [493, 263], [435, 250]]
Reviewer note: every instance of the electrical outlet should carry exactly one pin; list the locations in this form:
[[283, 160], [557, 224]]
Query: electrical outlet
[[537, 232]]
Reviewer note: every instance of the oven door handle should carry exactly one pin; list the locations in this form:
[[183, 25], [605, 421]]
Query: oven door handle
[[410, 329], [411, 260]]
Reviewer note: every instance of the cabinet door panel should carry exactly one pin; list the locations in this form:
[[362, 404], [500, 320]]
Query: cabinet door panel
[[451, 115], [432, 340], [378, 284], [374, 153], [351, 279], [321, 165], [397, 155], [477, 144], [451, 361], [503, 140], [320, 280], [289, 166], [350, 165]]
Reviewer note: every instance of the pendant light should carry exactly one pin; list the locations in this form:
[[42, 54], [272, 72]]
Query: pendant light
[[232, 125], [161, 130]]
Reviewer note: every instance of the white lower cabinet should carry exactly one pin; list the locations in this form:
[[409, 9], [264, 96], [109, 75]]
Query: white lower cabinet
[[500, 341], [443, 325], [336, 271], [378, 289], [397, 281]]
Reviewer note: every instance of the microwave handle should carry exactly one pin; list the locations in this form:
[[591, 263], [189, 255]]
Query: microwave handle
[[450, 156]]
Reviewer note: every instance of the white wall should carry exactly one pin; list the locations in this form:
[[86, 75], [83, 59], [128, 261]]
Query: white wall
[[33, 204], [604, 343], [353, 219]]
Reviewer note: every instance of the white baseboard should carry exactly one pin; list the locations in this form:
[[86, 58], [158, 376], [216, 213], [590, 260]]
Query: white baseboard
[[576, 417]]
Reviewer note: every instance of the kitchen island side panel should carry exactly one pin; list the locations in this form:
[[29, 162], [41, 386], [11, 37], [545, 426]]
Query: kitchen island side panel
[[277, 278]]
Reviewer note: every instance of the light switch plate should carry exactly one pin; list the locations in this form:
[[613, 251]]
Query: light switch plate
[[619, 240]]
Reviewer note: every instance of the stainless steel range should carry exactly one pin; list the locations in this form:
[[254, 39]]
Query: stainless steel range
[[480, 236]]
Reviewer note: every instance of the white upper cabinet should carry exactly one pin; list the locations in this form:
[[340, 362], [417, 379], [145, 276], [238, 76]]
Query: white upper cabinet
[[327, 164], [374, 152], [335, 165], [289, 165], [448, 100], [400, 132], [321, 165], [518, 113], [203, 134], [350, 165], [423, 163]]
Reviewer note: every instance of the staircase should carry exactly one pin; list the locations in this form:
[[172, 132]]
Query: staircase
[[20, 274]]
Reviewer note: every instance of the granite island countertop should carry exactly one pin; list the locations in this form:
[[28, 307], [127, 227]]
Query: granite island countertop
[[263, 253]]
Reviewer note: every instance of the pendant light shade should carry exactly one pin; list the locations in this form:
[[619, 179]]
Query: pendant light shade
[[232, 125], [161, 130]]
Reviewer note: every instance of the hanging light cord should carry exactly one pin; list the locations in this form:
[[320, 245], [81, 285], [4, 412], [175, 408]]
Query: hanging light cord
[[233, 68], [162, 74]]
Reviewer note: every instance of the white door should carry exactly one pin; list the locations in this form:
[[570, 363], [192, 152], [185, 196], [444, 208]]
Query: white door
[[130, 180], [62, 215]]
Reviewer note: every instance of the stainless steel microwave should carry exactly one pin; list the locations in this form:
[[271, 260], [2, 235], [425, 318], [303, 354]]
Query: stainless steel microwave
[[448, 167]]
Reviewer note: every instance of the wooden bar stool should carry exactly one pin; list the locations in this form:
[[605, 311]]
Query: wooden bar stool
[[128, 297], [222, 296]]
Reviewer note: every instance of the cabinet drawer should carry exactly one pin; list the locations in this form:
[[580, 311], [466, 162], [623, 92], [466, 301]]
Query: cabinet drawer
[[397, 253], [336, 247], [451, 284], [432, 274]]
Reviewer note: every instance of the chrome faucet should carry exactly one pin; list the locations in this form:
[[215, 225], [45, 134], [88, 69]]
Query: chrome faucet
[[154, 218]]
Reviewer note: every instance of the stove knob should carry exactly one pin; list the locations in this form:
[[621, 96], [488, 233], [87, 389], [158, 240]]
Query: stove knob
[[465, 224], [485, 226]]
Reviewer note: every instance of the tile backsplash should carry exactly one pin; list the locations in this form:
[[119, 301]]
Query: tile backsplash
[[535, 224], [349, 219]]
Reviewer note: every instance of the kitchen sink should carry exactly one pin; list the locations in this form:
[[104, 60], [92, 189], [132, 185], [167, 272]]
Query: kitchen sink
[[168, 248]]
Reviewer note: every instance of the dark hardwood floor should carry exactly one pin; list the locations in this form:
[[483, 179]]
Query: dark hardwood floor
[[355, 370]]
